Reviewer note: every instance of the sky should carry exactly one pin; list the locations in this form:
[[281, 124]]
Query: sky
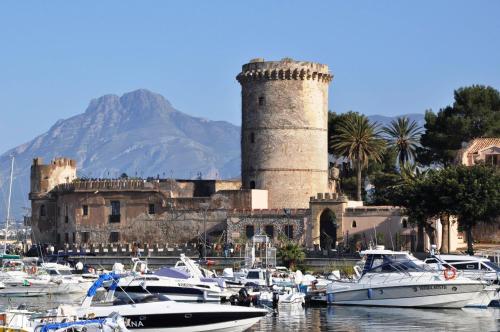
[[387, 57]]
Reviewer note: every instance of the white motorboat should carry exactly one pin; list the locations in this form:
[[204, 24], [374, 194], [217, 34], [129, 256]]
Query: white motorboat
[[391, 278], [157, 312], [179, 284], [50, 278], [472, 267]]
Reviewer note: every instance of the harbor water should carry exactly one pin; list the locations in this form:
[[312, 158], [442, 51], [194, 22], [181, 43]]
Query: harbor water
[[340, 318]]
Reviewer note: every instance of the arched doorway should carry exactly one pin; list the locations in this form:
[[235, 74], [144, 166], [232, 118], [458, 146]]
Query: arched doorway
[[327, 229]]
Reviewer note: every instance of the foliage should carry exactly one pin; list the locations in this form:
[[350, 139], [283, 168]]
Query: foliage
[[359, 141], [345, 268], [474, 113], [474, 195], [291, 253], [470, 193], [403, 137]]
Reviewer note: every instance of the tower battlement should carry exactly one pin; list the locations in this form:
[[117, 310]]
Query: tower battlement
[[286, 69]]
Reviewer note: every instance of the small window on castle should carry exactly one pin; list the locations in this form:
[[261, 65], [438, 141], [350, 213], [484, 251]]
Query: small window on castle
[[66, 237], [269, 229], [252, 137], [151, 209], [85, 210], [262, 101], [289, 231], [114, 237], [74, 237], [43, 213], [85, 236], [354, 225], [405, 223], [252, 184], [58, 238], [249, 231]]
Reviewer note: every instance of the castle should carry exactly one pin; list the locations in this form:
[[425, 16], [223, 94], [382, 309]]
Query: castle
[[286, 189]]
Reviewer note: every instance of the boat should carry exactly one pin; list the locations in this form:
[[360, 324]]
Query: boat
[[474, 267], [22, 320], [159, 313], [397, 279], [176, 283], [49, 278]]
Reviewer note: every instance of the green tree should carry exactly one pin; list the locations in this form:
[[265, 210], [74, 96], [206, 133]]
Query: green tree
[[291, 253], [359, 141], [474, 193], [474, 113], [403, 136]]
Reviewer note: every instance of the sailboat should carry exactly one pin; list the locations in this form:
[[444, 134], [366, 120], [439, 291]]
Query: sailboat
[[3, 254]]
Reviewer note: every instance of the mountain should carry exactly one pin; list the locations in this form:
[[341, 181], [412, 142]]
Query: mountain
[[139, 133], [385, 120]]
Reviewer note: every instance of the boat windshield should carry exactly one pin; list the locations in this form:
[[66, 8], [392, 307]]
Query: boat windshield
[[394, 263], [492, 266]]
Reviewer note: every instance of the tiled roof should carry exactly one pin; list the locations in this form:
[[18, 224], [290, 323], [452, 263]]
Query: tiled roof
[[479, 144]]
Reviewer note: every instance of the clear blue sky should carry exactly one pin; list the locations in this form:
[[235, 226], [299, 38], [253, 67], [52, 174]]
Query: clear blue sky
[[388, 57]]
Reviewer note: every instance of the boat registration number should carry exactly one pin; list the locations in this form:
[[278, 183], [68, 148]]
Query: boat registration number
[[432, 287]]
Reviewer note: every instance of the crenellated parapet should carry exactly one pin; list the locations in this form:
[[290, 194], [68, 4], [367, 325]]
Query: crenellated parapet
[[286, 69]]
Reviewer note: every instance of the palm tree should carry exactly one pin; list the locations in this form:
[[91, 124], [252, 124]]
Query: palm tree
[[359, 141], [403, 135], [291, 253]]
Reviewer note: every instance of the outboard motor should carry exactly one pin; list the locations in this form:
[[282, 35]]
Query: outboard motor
[[244, 299], [276, 298]]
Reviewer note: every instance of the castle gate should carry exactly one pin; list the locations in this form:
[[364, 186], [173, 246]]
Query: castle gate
[[328, 230]]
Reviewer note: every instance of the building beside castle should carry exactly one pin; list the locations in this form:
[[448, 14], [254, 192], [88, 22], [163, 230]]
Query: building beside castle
[[287, 188]]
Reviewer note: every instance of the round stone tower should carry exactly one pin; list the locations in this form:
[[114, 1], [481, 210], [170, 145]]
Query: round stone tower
[[284, 133]]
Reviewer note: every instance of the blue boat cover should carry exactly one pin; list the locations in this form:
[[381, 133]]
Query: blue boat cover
[[99, 283]]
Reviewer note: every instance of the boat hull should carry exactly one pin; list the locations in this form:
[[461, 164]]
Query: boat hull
[[175, 316], [415, 296]]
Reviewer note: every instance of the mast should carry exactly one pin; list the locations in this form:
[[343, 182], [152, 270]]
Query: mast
[[8, 206]]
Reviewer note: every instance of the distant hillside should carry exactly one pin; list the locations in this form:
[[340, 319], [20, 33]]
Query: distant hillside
[[139, 133], [385, 120]]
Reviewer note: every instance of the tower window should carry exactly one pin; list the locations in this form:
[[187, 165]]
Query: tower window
[[252, 137], [42, 211], [262, 101], [85, 210], [354, 225], [405, 223], [252, 184]]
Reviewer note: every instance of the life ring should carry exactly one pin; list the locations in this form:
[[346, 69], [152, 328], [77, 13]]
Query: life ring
[[449, 273]]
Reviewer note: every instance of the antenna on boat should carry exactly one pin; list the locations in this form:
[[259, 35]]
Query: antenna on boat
[[375, 231], [8, 205]]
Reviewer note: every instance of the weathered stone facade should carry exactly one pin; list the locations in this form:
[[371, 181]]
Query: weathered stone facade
[[286, 188], [284, 133]]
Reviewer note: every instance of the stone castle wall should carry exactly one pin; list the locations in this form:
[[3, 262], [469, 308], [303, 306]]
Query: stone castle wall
[[284, 130]]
